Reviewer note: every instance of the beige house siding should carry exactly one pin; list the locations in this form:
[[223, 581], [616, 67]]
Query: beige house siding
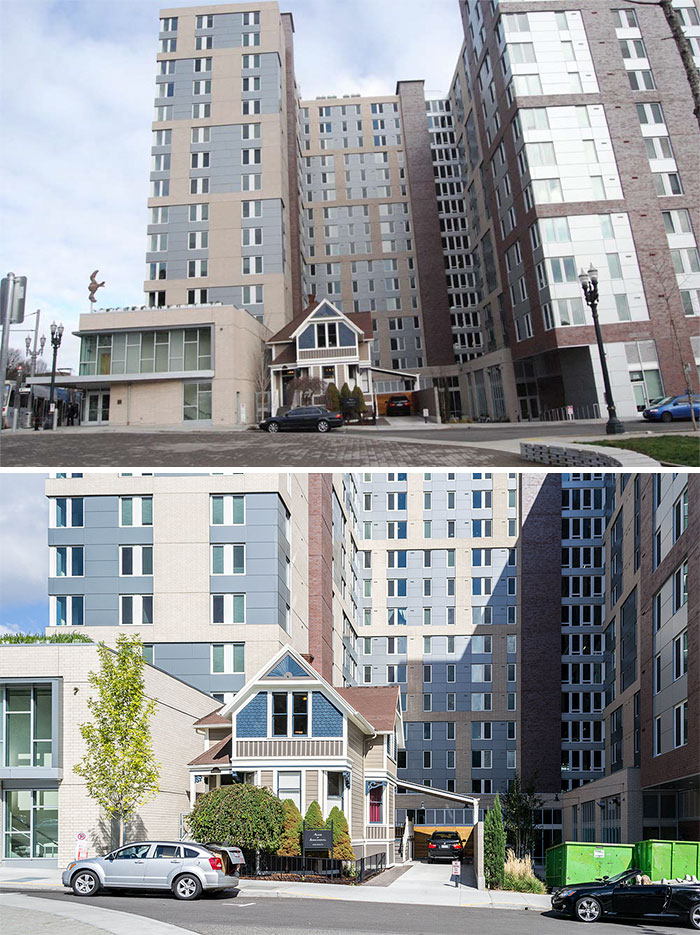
[[312, 787], [266, 779], [357, 791], [374, 753]]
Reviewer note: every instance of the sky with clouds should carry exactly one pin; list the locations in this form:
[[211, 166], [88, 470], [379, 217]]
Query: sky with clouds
[[76, 101], [24, 554]]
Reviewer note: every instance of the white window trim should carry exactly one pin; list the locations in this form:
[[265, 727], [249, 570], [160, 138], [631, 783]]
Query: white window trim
[[228, 559], [137, 610], [138, 561], [53, 563], [229, 603]]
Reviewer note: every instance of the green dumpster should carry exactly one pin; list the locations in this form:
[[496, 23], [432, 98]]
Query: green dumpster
[[581, 862], [667, 859]]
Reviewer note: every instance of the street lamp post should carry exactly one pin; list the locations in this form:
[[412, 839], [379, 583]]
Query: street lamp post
[[589, 284], [56, 336]]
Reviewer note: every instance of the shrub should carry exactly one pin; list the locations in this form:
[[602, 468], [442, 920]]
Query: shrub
[[290, 846], [494, 847], [314, 820], [242, 815], [347, 399], [342, 848], [519, 875], [333, 397], [40, 638], [360, 405]]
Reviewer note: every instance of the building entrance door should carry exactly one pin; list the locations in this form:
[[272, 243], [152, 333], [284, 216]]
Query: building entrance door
[[96, 407]]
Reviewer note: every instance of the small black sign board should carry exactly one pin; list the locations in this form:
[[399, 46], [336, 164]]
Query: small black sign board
[[319, 840]]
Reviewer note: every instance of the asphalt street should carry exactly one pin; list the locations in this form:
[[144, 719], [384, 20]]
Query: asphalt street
[[73, 448], [216, 915]]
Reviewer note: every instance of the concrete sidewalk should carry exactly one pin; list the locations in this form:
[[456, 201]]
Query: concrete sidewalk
[[421, 885], [22, 914]]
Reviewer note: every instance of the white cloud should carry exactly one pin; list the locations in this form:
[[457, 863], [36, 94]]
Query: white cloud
[[24, 566], [76, 122]]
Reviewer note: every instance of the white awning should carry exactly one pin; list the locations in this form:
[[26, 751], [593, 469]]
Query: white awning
[[413, 787]]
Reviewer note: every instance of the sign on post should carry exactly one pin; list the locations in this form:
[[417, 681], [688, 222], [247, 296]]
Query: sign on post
[[456, 871], [12, 295], [318, 840], [81, 850]]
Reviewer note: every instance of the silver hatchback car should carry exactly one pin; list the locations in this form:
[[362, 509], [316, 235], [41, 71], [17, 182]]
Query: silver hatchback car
[[185, 867]]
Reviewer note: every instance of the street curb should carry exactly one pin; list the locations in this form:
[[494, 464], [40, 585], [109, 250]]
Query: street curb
[[112, 921]]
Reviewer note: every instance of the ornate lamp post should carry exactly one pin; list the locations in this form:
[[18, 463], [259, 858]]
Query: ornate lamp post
[[589, 284], [56, 336], [32, 355]]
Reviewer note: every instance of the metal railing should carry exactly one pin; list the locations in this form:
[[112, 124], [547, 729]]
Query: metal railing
[[571, 413], [312, 869]]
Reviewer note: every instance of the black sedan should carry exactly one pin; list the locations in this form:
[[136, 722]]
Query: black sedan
[[444, 845], [303, 417], [624, 897]]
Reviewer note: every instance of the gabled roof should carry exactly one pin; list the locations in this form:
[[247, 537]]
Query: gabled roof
[[265, 679], [218, 755], [362, 321], [213, 719], [377, 705]]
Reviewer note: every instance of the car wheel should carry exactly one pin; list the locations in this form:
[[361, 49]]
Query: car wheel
[[187, 887], [273, 427], [85, 883], [694, 917], [322, 426], [666, 417], [588, 909]]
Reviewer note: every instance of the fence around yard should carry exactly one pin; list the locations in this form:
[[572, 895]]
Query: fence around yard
[[311, 869]]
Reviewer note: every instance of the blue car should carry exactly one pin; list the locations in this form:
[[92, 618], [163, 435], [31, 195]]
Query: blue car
[[671, 408]]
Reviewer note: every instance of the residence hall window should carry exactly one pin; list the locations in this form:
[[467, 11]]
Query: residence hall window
[[376, 804], [290, 714], [28, 726]]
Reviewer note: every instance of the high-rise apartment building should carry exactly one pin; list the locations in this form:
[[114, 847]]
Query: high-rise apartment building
[[522, 618], [566, 139], [222, 184], [648, 785], [579, 144]]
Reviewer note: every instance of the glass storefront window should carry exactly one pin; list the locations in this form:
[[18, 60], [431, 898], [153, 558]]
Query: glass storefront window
[[146, 352], [31, 823]]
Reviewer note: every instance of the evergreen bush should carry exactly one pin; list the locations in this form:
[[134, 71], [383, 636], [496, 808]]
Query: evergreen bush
[[333, 397], [290, 845], [360, 404], [494, 847], [342, 848]]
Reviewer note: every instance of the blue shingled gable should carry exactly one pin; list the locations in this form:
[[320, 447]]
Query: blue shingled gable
[[324, 310], [287, 666], [251, 721], [326, 719]]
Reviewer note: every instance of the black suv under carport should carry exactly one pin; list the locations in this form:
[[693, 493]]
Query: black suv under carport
[[444, 845]]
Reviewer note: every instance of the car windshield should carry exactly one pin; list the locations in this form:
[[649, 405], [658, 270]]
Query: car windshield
[[444, 835], [621, 876]]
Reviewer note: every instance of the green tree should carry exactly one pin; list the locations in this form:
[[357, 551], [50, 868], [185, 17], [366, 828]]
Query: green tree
[[342, 848], [243, 815], [333, 397], [290, 845], [520, 804], [494, 847], [119, 767], [360, 404]]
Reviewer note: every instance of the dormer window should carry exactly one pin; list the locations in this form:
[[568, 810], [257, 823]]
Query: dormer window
[[327, 334], [290, 719]]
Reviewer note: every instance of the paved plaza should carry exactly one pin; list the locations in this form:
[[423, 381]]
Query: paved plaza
[[88, 448]]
